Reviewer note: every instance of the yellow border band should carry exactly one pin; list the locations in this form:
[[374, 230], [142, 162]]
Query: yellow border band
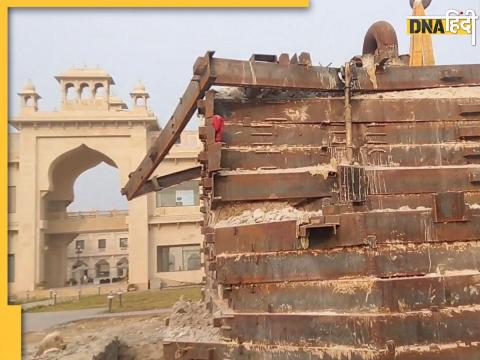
[[162, 3], [10, 316]]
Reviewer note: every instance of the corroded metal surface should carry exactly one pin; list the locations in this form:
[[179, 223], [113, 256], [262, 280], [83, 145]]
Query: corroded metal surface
[[390, 267], [340, 221], [289, 75]]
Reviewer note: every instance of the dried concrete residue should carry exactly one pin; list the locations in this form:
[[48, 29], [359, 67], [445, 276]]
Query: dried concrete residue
[[419, 349], [435, 93], [402, 208], [229, 93], [260, 215], [191, 321], [334, 352], [298, 114], [369, 64], [238, 94], [233, 209], [464, 272], [349, 287], [320, 169]]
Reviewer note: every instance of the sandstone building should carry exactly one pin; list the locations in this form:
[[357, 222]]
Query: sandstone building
[[52, 148], [98, 257]]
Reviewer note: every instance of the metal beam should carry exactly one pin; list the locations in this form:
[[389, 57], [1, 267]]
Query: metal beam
[[357, 294], [162, 145], [259, 351], [209, 71], [322, 329], [262, 74], [274, 236], [161, 182], [416, 77], [271, 186], [364, 110], [384, 261], [371, 229]]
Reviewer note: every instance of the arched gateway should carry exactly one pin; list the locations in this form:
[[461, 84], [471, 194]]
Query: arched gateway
[[53, 149]]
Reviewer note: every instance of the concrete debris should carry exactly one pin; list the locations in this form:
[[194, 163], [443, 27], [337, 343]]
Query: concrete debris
[[52, 342], [260, 215], [229, 93], [402, 208], [435, 93], [320, 169], [238, 94], [191, 321], [131, 337]]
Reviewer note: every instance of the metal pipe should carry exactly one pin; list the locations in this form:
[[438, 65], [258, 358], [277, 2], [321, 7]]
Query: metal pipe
[[425, 3], [382, 38], [348, 112]]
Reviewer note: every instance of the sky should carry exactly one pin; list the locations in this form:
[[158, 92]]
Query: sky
[[159, 47]]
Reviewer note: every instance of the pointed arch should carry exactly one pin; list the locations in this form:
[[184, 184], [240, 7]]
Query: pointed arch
[[64, 171]]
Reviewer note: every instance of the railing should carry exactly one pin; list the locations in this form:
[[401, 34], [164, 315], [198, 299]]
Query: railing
[[177, 210], [86, 221], [86, 214]]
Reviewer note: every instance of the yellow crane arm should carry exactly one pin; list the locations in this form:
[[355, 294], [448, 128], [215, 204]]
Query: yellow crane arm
[[421, 49]]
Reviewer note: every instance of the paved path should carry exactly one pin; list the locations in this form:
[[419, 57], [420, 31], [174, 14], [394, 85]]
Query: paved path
[[46, 320]]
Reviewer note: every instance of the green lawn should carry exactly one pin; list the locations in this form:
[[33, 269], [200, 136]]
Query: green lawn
[[132, 301]]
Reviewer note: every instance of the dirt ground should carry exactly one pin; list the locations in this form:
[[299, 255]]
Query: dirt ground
[[141, 337]]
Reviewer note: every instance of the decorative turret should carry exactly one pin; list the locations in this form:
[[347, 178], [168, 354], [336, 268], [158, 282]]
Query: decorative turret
[[85, 88], [29, 97], [139, 96]]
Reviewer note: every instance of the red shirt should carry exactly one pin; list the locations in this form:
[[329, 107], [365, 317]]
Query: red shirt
[[218, 123]]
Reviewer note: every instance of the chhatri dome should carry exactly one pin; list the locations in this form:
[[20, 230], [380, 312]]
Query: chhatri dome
[[28, 87], [139, 89], [139, 96]]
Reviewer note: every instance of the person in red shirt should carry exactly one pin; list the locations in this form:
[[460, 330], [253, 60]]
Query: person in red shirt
[[218, 123]]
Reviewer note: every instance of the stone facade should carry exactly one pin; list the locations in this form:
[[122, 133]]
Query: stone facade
[[51, 149], [98, 257]]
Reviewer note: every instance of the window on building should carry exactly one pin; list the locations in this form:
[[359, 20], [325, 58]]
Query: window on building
[[123, 243], [185, 194], [102, 243], [80, 244], [102, 268], [12, 199], [178, 258], [184, 198], [11, 268]]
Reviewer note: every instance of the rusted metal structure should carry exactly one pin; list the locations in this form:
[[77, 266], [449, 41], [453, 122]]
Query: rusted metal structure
[[382, 159]]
